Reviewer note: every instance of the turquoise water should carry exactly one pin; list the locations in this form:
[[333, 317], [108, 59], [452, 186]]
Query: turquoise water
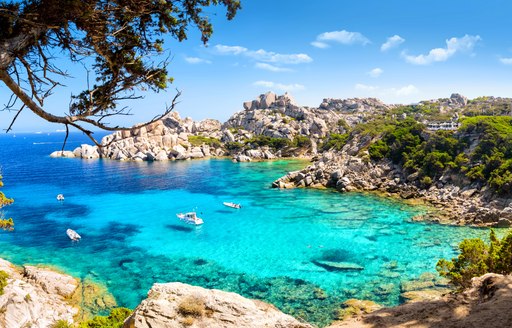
[[131, 238]]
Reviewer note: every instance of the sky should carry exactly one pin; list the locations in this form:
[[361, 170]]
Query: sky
[[399, 51]]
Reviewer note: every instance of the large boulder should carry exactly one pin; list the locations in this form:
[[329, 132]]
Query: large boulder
[[177, 305]]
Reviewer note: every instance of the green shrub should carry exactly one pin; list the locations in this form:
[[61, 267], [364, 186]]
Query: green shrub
[[114, 320], [477, 258], [3, 281], [197, 141], [261, 140], [336, 141], [378, 150], [61, 324], [233, 145], [301, 141]]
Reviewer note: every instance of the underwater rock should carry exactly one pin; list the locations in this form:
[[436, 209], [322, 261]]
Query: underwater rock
[[338, 266]]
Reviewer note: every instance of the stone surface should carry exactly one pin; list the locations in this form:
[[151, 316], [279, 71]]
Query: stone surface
[[177, 305], [486, 304]]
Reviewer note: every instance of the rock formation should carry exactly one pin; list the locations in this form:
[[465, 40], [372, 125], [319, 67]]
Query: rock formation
[[486, 304], [351, 170], [177, 305], [38, 297]]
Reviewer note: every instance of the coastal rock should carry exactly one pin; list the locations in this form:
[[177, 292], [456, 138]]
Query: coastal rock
[[65, 153], [177, 304], [37, 298], [486, 304]]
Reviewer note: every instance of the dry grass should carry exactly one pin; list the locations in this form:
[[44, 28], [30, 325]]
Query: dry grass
[[192, 306]]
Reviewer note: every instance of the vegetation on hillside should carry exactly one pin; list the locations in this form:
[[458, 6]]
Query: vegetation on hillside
[[114, 320], [3, 281], [477, 258], [481, 149], [197, 141], [6, 224]]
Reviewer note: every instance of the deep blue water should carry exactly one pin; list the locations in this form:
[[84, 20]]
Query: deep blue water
[[131, 238]]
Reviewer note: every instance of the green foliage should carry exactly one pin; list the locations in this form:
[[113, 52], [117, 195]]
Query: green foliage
[[114, 320], [3, 281], [491, 159], [477, 258], [197, 141], [6, 224], [378, 150], [235, 146], [275, 143], [426, 181], [301, 141], [336, 141], [61, 324]]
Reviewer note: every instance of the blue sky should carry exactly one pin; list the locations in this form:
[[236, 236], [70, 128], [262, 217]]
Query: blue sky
[[398, 51]]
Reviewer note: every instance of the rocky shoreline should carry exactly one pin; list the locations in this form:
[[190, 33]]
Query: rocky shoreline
[[273, 127], [446, 202]]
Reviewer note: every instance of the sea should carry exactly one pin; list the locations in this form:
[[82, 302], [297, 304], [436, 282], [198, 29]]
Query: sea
[[271, 249]]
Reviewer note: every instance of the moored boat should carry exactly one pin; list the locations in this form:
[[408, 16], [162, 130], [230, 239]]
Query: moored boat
[[60, 197], [233, 205], [190, 218], [73, 235]]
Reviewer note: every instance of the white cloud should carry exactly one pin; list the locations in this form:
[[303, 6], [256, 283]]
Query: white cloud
[[405, 91], [264, 55], [343, 37], [453, 45], [230, 50], [318, 44], [506, 61], [197, 60], [401, 92], [271, 68], [272, 57], [279, 86], [364, 87], [392, 42], [376, 72]]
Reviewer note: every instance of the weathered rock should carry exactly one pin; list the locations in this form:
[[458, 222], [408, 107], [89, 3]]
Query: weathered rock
[[176, 304], [65, 153]]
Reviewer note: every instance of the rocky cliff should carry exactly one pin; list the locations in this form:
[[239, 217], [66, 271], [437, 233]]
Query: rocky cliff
[[179, 305], [38, 297]]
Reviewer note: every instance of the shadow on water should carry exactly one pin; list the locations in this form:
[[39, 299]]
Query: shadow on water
[[176, 227]]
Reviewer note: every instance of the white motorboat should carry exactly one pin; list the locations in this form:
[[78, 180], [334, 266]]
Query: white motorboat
[[233, 205], [190, 218], [73, 235], [60, 197]]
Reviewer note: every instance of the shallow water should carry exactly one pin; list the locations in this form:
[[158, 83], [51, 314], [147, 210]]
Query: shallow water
[[131, 238]]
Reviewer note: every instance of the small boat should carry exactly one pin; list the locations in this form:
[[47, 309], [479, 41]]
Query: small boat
[[233, 205], [73, 235], [190, 218], [60, 197]]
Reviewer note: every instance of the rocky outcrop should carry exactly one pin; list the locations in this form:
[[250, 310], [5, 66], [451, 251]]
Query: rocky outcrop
[[166, 139], [178, 305], [486, 304], [452, 201], [35, 297], [38, 297]]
